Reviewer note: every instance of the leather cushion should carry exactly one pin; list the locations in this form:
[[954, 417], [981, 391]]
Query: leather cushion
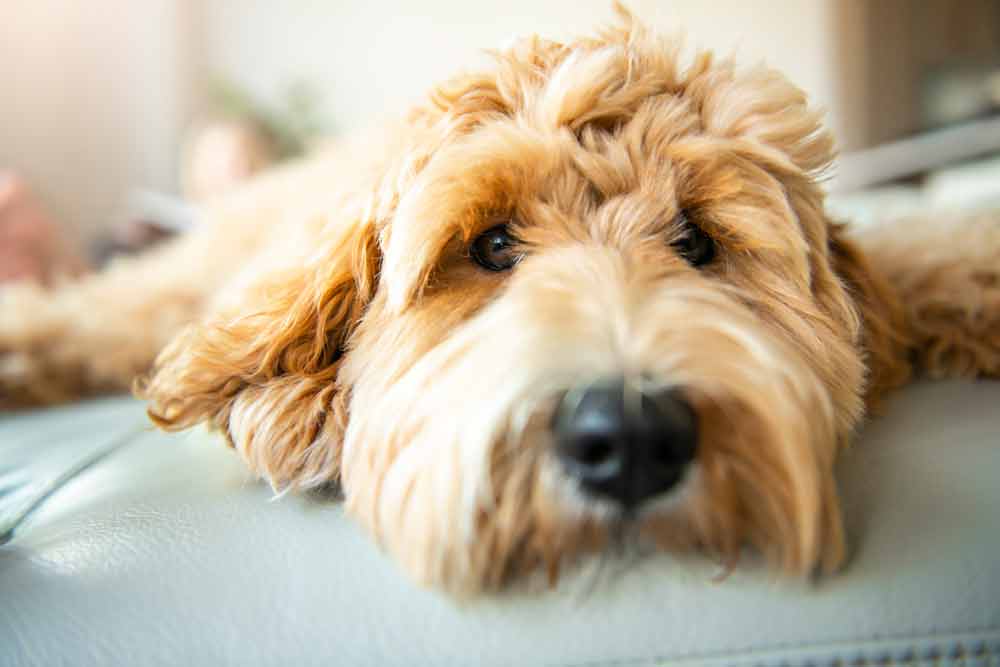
[[165, 552]]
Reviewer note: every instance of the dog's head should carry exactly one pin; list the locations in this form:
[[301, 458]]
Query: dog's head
[[595, 295]]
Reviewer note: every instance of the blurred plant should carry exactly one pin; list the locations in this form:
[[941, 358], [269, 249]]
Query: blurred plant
[[290, 127]]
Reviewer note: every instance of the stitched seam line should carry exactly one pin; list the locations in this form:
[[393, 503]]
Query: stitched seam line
[[958, 650], [48, 488]]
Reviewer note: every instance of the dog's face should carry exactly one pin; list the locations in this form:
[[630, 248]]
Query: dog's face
[[595, 299]]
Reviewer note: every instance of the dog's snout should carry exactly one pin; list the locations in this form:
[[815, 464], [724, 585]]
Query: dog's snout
[[625, 445]]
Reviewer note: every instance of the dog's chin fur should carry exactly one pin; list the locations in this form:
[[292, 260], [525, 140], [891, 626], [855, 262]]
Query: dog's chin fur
[[383, 358]]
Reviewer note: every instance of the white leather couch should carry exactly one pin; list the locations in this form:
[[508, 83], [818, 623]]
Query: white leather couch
[[164, 552]]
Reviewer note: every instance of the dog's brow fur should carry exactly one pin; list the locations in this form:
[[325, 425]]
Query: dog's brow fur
[[330, 320]]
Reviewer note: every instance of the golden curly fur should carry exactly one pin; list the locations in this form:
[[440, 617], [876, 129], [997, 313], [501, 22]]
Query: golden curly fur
[[342, 334]]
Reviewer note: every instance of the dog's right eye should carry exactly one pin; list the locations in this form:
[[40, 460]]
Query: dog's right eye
[[694, 245], [494, 249]]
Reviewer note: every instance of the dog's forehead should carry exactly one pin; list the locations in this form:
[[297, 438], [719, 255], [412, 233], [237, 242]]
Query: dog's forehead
[[600, 123]]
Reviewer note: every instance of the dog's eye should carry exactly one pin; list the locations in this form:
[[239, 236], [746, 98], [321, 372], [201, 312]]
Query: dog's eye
[[494, 249], [694, 245]]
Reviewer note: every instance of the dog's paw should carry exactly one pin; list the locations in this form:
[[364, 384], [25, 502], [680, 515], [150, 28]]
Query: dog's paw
[[33, 367], [958, 328], [23, 381]]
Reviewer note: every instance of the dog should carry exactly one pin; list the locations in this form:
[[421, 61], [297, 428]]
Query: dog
[[586, 294]]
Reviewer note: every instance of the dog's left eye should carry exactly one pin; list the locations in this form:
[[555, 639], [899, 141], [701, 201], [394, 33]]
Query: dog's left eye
[[494, 249], [694, 245]]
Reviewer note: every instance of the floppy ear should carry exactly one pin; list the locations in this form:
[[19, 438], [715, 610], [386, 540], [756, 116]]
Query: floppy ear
[[883, 336], [264, 369]]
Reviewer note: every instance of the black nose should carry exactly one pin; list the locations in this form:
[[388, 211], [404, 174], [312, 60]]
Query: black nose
[[624, 444]]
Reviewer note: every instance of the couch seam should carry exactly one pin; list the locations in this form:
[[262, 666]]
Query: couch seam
[[50, 487], [934, 655]]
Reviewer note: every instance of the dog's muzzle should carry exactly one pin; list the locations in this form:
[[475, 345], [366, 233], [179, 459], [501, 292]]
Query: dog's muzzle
[[625, 444]]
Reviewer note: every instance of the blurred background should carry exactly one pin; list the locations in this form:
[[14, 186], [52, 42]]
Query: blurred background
[[106, 98]]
